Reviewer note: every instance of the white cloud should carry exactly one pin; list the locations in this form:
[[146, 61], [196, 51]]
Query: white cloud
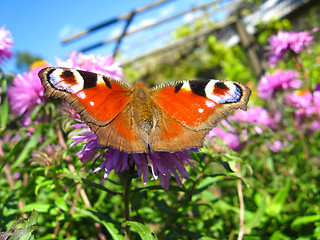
[[167, 10], [141, 24], [191, 16], [67, 31], [115, 32]]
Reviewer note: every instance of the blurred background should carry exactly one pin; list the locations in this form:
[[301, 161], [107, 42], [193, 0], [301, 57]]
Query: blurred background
[[147, 32], [257, 176]]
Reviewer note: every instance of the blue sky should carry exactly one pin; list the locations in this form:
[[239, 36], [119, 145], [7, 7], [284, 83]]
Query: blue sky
[[39, 26]]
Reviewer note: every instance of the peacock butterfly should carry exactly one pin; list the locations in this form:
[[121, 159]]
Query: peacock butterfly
[[169, 117]]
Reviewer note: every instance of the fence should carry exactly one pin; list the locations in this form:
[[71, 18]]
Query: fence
[[232, 29]]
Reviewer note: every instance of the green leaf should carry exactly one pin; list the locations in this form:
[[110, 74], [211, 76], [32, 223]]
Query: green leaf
[[30, 145], [255, 221], [40, 207], [98, 217], [279, 199], [207, 238], [66, 173], [33, 218], [305, 220], [278, 235], [14, 151], [41, 182], [23, 233], [61, 203], [141, 229], [4, 109], [112, 230], [30, 225]]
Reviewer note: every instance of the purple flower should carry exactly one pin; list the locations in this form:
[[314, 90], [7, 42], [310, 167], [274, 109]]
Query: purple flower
[[256, 115], [163, 164], [99, 64], [6, 43], [307, 107], [279, 80], [275, 146], [285, 42], [227, 134], [25, 94]]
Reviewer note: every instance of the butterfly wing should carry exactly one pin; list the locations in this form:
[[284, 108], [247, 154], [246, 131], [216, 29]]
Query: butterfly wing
[[193, 108], [102, 103]]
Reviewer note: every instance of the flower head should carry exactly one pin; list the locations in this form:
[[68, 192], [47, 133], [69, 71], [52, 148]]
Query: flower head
[[6, 43], [286, 42], [275, 146], [99, 64], [279, 80], [307, 106], [227, 134], [235, 139], [256, 115], [25, 94], [163, 164]]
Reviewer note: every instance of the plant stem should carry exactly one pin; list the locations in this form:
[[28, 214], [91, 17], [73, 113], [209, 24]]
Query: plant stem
[[304, 73], [126, 179], [241, 201]]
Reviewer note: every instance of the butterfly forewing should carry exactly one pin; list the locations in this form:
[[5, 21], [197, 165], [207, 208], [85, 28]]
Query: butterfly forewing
[[91, 95], [199, 104]]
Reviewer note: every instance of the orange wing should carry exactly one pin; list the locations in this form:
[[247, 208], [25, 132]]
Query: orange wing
[[199, 104], [97, 98], [188, 110]]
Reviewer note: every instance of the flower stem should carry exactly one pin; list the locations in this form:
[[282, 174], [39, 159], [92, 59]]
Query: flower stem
[[304, 73], [241, 201], [126, 183]]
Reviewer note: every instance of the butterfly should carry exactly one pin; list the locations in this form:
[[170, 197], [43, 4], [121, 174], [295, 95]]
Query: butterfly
[[169, 117]]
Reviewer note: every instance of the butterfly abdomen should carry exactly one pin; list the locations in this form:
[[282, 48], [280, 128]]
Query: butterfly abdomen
[[142, 108]]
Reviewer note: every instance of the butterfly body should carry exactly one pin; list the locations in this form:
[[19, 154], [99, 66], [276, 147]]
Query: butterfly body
[[169, 117]]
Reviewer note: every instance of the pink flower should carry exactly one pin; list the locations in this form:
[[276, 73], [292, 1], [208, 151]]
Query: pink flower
[[227, 134], [307, 106], [25, 94], [279, 80], [99, 64], [256, 115], [6, 43], [275, 146], [163, 164], [286, 42]]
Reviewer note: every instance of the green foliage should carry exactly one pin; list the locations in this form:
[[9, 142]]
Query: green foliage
[[265, 30], [25, 60], [280, 189], [24, 232]]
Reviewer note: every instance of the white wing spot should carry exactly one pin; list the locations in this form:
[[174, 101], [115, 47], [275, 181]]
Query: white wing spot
[[91, 103], [81, 95], [210, 104], [186, 86], [100, 80], [200, 110]]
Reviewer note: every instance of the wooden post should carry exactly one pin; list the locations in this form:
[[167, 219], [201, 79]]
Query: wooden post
[[124, 32], [250, 47]]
